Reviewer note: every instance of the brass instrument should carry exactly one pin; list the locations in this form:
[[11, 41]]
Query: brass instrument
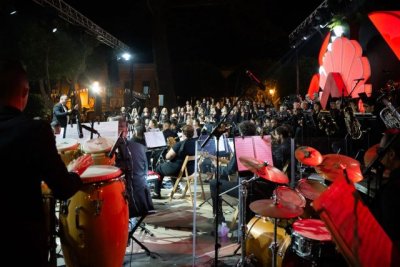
[[353, 126], [326, 123], [389, 115]]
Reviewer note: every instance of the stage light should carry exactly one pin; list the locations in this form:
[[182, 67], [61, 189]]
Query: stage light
[[54, 30], [126, 56], [96, 87]]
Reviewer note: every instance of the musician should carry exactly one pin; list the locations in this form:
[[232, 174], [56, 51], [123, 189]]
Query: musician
[[175, 157], [28, 149], [133, 161], [246, 128], [61, 111], [386, 204]]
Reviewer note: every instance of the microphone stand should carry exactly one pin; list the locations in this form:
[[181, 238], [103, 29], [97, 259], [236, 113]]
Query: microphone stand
[[217, 132]]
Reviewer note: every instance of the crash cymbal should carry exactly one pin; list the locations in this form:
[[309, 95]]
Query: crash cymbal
[[267, 208], [371, 154], [308, 156], [264, 170], [333, 165]]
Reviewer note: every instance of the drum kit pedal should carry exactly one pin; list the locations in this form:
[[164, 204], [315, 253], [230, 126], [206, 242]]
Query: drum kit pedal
[[303, 239]]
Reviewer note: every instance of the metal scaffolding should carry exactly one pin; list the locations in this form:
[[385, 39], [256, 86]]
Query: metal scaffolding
[[71, 15]]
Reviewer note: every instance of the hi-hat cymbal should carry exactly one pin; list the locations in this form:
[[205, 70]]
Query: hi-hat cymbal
[[308, 156], [333, 165], [263, 170], [371, 154], [267, 208]]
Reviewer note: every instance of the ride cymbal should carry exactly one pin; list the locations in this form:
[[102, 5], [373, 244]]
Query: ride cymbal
[[267, 208], [308, 156], [263, 170], [333, 166]]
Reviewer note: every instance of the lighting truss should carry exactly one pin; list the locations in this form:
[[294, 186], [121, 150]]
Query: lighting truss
[[300, 32], [71, 15]]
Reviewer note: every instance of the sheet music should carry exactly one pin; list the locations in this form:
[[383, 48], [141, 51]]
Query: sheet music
[[154, 139], [254, 147], [105, 129], [243, 148], [262, 148]]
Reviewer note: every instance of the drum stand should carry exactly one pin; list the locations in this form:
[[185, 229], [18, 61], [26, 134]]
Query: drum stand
[[274, 244], [242, 208]]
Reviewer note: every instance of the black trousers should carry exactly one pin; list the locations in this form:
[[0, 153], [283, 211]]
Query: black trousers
[[166, 169]]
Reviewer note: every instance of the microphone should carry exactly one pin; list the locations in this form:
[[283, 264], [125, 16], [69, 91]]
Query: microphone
[[359, 79], [90, 129], [255, 79], [115, 146]]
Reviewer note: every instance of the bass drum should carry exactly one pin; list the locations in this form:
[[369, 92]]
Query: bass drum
[[260, 235]]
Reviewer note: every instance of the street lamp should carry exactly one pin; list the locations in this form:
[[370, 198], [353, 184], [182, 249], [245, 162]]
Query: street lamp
[[126, 56]]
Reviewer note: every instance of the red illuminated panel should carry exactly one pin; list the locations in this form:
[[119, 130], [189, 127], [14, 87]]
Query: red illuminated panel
[[334, 87], [388, 25], [324, 47], [314, 86]]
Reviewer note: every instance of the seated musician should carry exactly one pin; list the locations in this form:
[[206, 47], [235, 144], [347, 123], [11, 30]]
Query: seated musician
[[386, 205], [175, 157]]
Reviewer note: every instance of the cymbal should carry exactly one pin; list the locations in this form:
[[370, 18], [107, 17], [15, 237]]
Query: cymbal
[[333, 165], [263, 170], [370, 154], [267, 208], [308, 155]]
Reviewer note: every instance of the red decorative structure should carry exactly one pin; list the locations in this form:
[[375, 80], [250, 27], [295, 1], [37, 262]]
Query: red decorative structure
[[388, 25]]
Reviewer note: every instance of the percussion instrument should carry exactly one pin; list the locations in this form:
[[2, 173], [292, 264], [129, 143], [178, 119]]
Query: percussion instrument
[[311, 245], [94, 222], [263, 170], [268, 208], [99, 148], [310, 189], [333, 166], [287, 196], [308, 156], [371, 154], [259, 237], [68, 149]]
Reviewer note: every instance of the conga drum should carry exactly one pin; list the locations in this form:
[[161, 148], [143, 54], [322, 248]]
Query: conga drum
[[94, 222], [68, 149], [99, 148]]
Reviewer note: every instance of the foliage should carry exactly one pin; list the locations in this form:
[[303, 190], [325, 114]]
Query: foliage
[[36, 107]]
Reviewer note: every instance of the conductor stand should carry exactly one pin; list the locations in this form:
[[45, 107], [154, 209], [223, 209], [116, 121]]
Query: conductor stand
[[243, 196]]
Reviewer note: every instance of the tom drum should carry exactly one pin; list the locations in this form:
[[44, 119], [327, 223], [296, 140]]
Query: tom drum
[[310, 189], [94, 222]]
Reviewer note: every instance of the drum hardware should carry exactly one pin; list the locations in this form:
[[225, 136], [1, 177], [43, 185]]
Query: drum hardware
[[272, 208], [242, 208]]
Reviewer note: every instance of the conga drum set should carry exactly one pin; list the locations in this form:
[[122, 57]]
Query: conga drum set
[[94, 222], [286, 230], [99, 148]]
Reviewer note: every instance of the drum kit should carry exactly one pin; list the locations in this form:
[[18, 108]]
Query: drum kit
[[288, 220], [92, 224]]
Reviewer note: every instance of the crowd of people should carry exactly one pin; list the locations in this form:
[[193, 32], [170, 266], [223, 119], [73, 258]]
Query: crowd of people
[[296, 118]]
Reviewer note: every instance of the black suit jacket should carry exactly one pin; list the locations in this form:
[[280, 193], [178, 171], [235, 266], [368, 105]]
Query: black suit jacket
[[60, 115], [29, 155]]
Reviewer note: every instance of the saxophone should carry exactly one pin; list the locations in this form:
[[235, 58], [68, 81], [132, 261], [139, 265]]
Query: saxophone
[[353, 126]]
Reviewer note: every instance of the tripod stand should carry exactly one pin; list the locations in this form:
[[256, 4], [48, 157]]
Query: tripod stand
[[242, 208]]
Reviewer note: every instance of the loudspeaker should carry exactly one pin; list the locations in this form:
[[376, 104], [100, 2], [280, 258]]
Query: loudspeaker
[[160, 100]]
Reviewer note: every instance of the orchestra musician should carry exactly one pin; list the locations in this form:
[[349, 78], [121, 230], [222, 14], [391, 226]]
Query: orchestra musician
[[175, 157]]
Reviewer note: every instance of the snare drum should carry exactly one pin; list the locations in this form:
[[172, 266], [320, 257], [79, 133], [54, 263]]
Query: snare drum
[[311, 190], [259, 238], [99, 148], [67, 149], [311, 244], [94, 222]]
